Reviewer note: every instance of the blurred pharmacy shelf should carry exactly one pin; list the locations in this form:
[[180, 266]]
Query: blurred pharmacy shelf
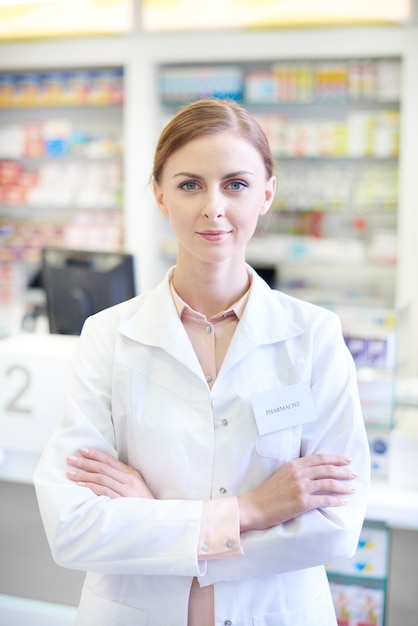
[[334, 129], [344, 125]]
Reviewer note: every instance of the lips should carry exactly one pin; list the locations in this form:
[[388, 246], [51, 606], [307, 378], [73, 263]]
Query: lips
[[214, 235]]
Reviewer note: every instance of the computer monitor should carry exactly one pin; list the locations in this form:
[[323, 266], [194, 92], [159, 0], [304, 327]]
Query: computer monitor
[[79, 283]]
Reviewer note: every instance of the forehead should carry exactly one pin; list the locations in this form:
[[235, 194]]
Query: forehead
[[219, 148]]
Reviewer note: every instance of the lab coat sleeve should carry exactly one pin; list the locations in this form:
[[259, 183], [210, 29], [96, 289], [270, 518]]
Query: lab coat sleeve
[[324, 535], [88, 532]]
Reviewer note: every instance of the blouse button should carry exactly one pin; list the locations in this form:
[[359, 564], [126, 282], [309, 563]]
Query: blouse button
[[208, 329], [209, 378]]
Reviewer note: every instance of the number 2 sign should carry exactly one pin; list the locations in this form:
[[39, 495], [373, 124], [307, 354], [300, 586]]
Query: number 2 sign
[[16, 403], [32, 381]]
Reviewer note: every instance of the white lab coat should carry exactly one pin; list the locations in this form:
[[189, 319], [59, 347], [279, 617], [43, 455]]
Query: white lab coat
[[136, 390]]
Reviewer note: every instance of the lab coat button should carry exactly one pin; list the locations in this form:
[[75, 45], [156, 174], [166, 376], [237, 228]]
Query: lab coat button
[[227, 622], [225, 422], [222, 490]]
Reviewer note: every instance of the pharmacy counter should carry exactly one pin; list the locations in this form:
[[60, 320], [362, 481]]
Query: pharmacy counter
[[396, 507], [32, 378]]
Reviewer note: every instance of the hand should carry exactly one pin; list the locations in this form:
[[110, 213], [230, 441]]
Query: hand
[[106, 476], [307, 483]]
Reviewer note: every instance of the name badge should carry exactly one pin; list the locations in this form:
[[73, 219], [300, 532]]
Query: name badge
[[283, 408]]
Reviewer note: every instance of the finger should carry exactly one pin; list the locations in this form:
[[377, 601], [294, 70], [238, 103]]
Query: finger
[[330, 486], [303, 469], [100, 490], [325, 501], [327, 498], [102, 457], [88, 464], [323, 458], [100, 484], [331, 471]]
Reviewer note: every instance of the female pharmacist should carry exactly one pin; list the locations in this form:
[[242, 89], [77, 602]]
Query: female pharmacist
[[212, 456]]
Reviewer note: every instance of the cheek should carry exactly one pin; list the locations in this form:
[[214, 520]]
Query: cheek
[[246, 217], [180, 220]]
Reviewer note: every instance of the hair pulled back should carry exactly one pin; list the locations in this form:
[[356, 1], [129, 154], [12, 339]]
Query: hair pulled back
[[206, 117]]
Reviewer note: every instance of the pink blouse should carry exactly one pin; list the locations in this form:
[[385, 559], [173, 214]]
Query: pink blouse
[[220, 526]]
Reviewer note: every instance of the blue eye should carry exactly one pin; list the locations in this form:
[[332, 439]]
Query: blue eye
[[237, 185], [189, 185]]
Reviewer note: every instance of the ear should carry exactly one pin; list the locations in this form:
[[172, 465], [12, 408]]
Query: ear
[[159, 198], [269, 192]]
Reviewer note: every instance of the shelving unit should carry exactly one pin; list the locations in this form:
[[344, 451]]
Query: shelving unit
[[61, 164], [62, 176], [371, 335]]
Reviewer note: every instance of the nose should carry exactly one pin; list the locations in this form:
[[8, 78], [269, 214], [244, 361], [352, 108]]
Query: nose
[[214, 205]]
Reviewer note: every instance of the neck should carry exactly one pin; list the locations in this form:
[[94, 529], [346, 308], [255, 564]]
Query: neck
[[210, 288]]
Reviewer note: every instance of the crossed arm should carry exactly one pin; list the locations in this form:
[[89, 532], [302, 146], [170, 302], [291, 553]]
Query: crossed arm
[[301, 485]]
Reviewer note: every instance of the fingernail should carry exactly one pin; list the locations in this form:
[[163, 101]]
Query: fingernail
[[72, 458], [85, 450]]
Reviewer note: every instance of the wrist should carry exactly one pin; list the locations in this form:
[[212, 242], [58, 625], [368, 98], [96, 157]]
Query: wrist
[[248, 513]]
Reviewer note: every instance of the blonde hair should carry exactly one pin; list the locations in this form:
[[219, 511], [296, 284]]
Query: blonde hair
[[206, 117]]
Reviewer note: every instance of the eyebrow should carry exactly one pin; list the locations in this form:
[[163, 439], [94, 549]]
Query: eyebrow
[[230, 175]]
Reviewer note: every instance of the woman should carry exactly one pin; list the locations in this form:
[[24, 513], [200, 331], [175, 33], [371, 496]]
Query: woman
[[212, 456]]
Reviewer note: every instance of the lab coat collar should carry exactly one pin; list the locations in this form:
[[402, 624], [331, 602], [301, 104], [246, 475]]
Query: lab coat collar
[[157, 323], [265, 320]]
